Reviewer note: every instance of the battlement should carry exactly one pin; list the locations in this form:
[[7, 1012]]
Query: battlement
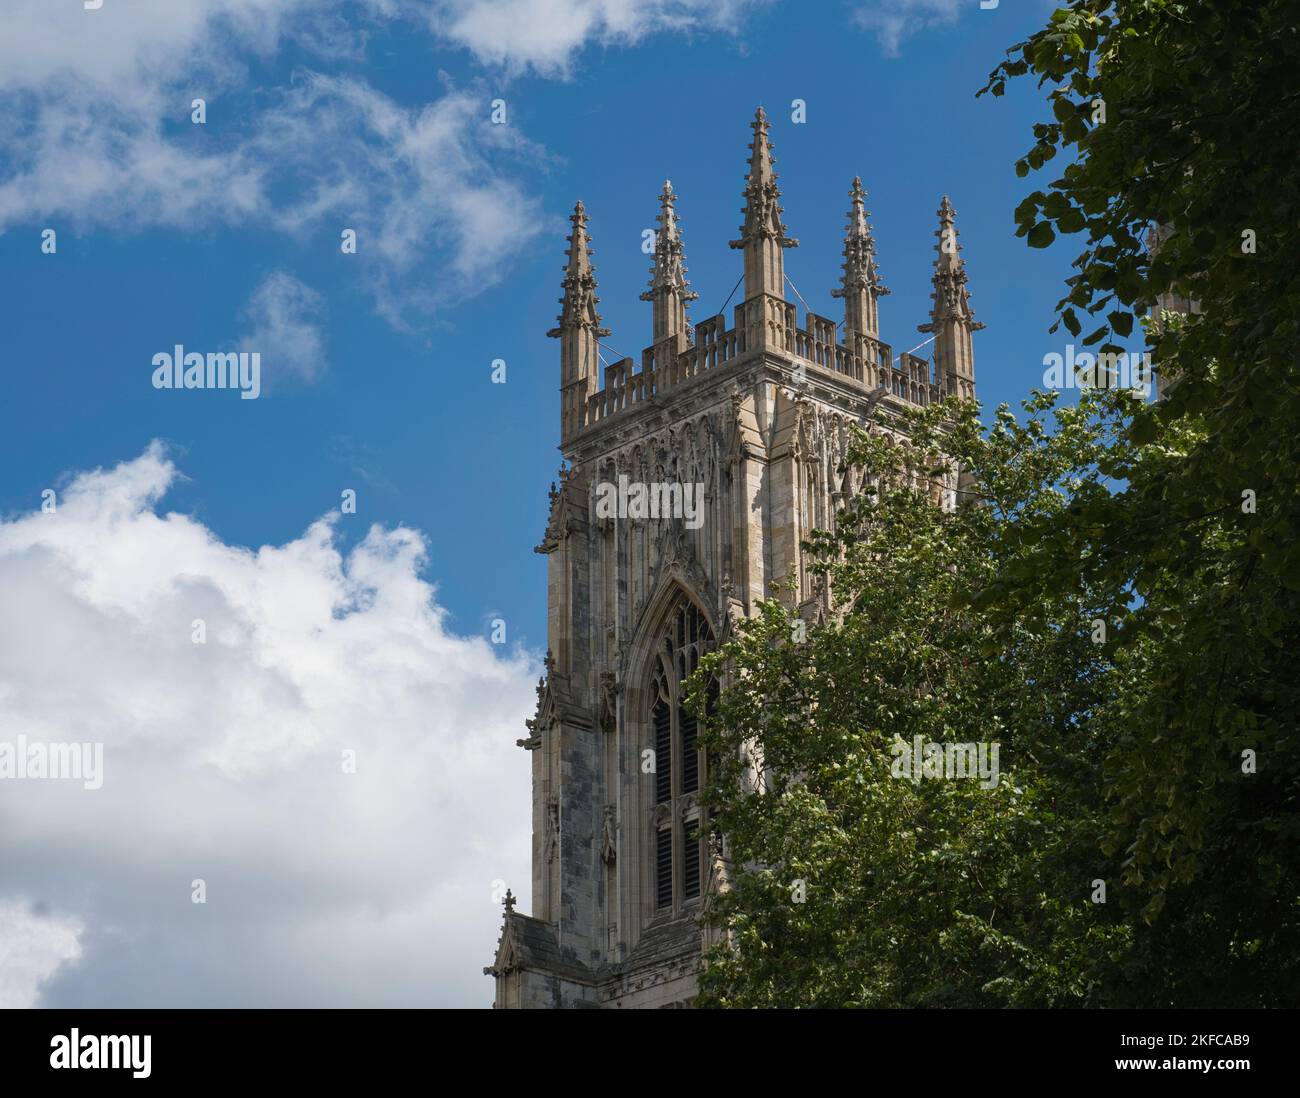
[[814, 347]]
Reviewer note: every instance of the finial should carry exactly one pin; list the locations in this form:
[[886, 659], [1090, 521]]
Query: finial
[[952, 320], [668, 274], [762, 207], [509, 902], [578, 305], [948, 247], [947, 234], [860, 271], [579, 251]]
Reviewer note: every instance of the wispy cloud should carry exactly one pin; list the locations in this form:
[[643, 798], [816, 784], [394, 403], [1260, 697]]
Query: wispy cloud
[[429, 186], [96, 129], [97, 134], [361, 459], [283, 325], [894, 20]]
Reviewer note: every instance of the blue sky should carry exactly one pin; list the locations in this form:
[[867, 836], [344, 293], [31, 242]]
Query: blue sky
[[399, 407], [328, 633]]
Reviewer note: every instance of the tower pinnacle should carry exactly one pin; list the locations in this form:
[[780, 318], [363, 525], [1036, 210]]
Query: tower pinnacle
[[669, 289], [951, 318], [579, 328], [579, 301], [762, 234], [860, 284]]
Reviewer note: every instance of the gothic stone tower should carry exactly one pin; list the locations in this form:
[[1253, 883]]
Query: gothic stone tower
[[723, 451]]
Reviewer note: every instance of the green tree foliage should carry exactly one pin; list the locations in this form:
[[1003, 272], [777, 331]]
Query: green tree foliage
[[1172, 523], [854, 885], [914, 893], [1198, 558]]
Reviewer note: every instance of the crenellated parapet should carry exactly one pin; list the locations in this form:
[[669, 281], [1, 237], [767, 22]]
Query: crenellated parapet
[[810, 348]]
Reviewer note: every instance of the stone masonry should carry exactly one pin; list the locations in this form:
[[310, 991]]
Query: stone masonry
[[758, 414]]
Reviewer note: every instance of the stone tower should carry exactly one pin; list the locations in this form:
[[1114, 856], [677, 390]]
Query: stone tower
[[690, 483]]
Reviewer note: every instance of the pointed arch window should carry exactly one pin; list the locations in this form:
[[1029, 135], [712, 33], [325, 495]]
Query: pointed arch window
[[680, 766]]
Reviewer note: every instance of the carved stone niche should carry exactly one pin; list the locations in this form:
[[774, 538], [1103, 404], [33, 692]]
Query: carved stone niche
[[552, 827], [609, 689], [608, 838]]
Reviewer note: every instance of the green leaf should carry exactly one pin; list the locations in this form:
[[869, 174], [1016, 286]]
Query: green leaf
[[1041, 235]]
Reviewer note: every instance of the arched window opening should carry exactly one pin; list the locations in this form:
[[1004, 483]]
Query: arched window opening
[[680, 768]]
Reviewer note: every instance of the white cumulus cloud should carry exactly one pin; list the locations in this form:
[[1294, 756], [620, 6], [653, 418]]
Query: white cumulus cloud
[[545, 35], [224, 762]]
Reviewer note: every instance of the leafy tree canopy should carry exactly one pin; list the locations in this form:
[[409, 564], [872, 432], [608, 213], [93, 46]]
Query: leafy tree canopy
[[1157, 753]]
